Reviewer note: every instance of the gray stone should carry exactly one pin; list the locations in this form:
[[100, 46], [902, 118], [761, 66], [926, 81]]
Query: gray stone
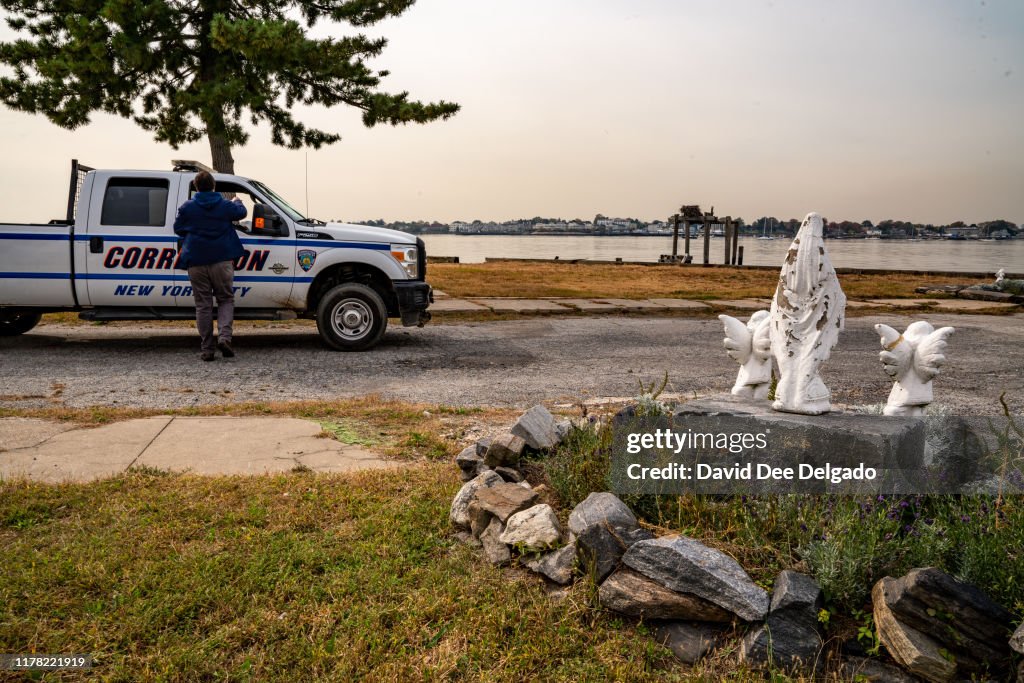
[[982, 295], [496, 552], [562, 429], [871, 670], [459, 514], [784, 643], [479, 518], [482, 445], [975, 614], [688, 642], [601, 508], [537, 427], [959, 617], [558, 565], [913, 650], [688, 566], [939, 289], [504, 500], [893, 446], [467, 538], [1017, 640], [631, 593], [790, 637], [504, 450], [534, 529], [600, 547], [509, 474], [797, 597], [954, 448], [470, 462]]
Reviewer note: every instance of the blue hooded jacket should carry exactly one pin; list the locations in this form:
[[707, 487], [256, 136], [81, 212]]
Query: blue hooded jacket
[[205, 223]]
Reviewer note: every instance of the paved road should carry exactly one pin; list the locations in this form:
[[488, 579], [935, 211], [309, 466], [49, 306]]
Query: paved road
[[515, 363]]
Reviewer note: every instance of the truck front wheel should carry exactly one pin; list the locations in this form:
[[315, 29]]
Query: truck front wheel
[[12, 324], [351, 317]]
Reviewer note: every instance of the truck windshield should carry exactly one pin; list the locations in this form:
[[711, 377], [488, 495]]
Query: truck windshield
[[281, 203]]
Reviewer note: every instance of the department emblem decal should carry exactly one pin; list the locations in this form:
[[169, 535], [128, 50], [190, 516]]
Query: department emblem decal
[[307, 257]]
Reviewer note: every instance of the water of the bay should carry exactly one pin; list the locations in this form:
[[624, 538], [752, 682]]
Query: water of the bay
[[944, 255]]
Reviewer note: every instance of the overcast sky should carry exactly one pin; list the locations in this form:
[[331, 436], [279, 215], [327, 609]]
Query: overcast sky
[[859, 110]]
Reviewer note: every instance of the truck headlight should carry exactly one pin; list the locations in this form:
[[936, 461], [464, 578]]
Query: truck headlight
[[408, 256]]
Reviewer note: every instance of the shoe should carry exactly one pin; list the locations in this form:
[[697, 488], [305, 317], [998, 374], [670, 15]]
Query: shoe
[[206, 355], [225, 348]]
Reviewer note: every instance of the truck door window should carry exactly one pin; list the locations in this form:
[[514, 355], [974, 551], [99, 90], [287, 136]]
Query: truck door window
[[135, 201], [234, 191]]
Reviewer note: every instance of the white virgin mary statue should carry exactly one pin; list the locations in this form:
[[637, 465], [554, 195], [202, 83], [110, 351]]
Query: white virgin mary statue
[[807, 315]]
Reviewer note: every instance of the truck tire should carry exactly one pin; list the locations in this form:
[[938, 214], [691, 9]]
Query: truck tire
[[13, 324], [351, 317]]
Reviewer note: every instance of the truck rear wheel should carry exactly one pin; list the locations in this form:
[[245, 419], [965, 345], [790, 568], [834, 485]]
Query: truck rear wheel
[[351, 317], [12, 324]]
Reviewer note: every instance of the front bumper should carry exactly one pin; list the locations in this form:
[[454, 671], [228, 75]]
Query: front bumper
[[414, 297]]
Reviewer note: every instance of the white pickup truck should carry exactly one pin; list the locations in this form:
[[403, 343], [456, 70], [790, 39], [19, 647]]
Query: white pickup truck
[[114, 258]]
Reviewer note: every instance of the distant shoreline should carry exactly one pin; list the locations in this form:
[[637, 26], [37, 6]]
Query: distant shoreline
[[701, 237]]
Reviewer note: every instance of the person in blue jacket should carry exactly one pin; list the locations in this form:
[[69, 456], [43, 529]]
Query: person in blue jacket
[[208, 251]]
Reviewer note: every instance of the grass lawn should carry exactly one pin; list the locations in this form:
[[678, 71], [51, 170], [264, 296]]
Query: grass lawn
[[283, 578]]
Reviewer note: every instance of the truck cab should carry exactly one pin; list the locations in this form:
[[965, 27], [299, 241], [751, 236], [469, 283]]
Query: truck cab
[[115, 257]]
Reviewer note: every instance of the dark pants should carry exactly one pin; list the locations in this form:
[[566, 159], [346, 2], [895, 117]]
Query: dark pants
[[211, 282]]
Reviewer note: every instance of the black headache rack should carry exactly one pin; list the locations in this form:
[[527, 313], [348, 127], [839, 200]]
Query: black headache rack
[[78, 172]]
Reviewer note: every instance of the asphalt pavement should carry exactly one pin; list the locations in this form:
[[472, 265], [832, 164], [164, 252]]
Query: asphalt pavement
[[513, 363]]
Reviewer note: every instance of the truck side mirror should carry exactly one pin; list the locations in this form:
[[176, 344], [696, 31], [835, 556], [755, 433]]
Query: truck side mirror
[[265, 221]]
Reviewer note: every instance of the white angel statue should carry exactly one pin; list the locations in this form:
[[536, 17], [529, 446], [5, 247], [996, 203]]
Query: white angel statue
[[807, 316], [913, 359], [750, 346]]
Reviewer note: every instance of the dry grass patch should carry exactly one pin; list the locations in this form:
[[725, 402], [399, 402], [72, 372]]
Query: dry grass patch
[[296, 576], [535, 280]]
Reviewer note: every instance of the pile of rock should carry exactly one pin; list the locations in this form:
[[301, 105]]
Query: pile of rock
[[936, 628], [535, 430], [496, 507], [688, 590]]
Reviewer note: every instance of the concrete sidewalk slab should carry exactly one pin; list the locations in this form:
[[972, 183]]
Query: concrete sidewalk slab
[[83, 454], [682, 304], [200, 445], [588, 305], [22, 432], [522, 305], [251, 445], [861, 304], [970, 306], [633, 304], [455, 306], [742, 304], [904, 303]]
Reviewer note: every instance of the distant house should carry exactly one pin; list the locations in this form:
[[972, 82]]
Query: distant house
[[969, 232]]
